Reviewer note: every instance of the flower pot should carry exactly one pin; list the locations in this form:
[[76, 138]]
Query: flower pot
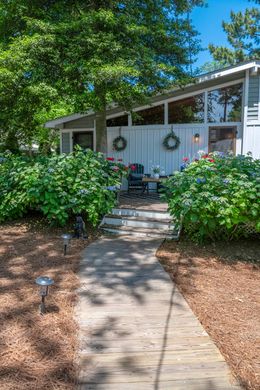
[[156, 175]]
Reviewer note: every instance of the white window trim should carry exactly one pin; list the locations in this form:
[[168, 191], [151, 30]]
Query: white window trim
[[176, 98]]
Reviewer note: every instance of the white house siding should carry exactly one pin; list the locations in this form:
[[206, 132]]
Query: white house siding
[[253, 98], [251, 137], [252, 140], [144, 145]]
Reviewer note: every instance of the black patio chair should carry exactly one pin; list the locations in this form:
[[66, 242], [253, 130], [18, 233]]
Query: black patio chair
[[135, 177]]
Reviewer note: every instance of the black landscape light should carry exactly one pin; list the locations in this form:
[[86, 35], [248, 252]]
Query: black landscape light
[[44, 282], [66, 240]]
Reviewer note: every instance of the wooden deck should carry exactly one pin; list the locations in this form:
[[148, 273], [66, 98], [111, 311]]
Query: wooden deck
[[138, 200], [136, 329]]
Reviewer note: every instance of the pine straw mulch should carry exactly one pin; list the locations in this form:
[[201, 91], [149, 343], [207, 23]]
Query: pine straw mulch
[[221, 283], [37, 352]]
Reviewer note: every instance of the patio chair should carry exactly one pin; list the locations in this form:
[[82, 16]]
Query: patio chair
[[135, 177]]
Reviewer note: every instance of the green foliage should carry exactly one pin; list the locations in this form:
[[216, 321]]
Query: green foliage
[[87, 54], [211, 66], [215, 197], [243, 36], [58, 186]]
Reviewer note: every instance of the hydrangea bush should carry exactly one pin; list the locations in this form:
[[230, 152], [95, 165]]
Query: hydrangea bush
[[58, 186], [216, 196]]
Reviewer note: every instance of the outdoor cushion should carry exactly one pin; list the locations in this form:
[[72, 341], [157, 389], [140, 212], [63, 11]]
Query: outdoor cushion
[[135, 176]]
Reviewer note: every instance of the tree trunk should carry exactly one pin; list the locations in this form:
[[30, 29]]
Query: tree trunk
[[101, 125], [101, 132]]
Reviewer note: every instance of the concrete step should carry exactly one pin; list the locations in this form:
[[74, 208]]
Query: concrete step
[[140, 231], [161, 215], [142, 222]]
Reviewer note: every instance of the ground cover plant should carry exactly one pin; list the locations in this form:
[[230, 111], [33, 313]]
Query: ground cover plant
[[221, 283], [58, 186], [216, 196], [38, 352]]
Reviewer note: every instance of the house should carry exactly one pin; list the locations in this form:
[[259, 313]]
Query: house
[[220, 111]]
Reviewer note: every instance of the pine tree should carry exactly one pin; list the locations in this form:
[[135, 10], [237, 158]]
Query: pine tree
[[243, 34]]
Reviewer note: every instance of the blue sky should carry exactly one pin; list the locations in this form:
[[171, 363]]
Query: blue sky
[[208, 21]]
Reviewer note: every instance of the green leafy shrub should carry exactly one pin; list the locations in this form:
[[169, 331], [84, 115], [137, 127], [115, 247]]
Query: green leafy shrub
[[59, 186], [216, 197]]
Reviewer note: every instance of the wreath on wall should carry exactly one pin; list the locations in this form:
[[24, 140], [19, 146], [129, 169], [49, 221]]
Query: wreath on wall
[[119, 143], [171, 141]]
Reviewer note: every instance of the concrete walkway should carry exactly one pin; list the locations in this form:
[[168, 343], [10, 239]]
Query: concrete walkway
[[136, 329]]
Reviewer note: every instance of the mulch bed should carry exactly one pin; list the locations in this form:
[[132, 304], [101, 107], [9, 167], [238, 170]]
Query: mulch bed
[[37, 352], [221, 283]]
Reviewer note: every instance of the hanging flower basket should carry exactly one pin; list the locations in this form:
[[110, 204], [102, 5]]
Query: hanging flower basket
[[119, 143], [171, 141]]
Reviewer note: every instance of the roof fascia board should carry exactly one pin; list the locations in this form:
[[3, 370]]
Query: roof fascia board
[[228, 71]]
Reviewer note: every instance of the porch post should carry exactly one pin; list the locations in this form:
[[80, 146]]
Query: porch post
[[166, 120]]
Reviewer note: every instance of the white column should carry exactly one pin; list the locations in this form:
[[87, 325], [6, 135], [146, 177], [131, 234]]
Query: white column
[[166, 118], [244, 113], [129, 120]]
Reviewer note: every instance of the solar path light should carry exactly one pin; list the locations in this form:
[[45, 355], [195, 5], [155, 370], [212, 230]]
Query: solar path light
[[43, 282], [66, 240]]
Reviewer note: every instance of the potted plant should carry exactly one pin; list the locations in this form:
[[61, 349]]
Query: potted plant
[[156, 170]]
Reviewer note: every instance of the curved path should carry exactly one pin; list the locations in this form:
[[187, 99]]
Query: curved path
[[136, 329]]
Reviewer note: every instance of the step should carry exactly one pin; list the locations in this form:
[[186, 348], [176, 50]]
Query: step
[[142, 222], [141, 213], [140, 231]]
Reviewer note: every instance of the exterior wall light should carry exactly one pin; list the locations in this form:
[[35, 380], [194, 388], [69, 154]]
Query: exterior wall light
[[196, 138], [44, 282], [66, 240]]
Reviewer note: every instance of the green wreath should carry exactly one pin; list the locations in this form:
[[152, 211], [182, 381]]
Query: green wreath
[[171, 137], [119, 143]]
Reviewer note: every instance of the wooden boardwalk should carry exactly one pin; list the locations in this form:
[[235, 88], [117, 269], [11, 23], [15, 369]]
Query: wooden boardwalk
[[136, 329]]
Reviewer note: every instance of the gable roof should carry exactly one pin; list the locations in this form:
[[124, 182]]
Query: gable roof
[[201, 79]]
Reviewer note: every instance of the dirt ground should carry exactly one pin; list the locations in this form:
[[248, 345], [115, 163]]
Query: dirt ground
[[221, 283], [37, 352]]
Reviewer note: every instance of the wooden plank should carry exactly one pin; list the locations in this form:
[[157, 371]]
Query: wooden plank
[[129, 372], [136, 329], [181, 384]]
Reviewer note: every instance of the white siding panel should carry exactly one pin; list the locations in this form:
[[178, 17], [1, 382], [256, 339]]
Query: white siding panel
[[252, 141], [253, 98], [145, 145]]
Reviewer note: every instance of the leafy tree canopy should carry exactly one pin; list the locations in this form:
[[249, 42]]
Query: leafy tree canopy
[[88, 54]]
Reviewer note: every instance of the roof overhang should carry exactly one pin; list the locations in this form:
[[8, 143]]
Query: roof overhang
[[207, 77]]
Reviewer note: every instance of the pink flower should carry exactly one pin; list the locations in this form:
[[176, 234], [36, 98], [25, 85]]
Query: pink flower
[[133, 167], [110, 159], [185, 159], [211, 160], [119, 159]]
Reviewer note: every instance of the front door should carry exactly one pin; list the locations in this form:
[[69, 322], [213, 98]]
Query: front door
[[83, 139], [222, 139]]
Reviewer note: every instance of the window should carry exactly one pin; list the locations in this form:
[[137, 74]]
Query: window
[[149, 116], [222, 139], [189, 110], [118, 121], [83, 139], [224, 104]]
